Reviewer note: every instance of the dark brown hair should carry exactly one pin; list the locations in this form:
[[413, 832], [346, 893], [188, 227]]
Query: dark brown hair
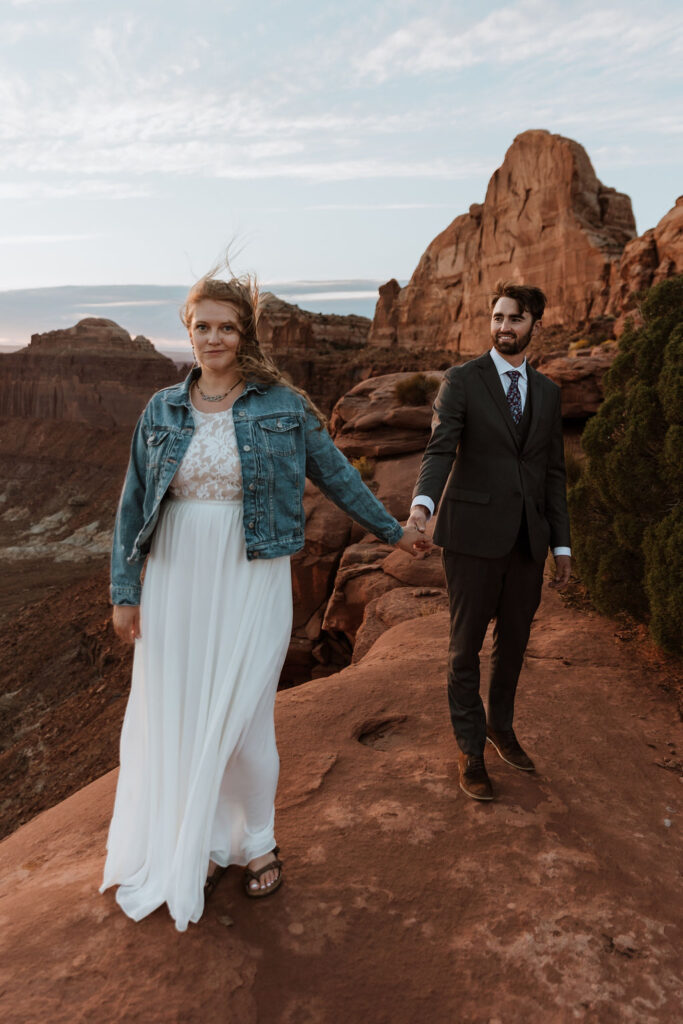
[[242, 293], [530, 300]]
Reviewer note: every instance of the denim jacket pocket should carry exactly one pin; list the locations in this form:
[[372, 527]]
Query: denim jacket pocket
[[279, 434]]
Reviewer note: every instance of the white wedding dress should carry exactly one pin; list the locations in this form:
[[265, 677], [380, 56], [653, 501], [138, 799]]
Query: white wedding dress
[[199, 764]]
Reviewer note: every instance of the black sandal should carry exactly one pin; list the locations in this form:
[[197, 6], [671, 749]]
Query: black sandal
[[213, 880], [250, 876]]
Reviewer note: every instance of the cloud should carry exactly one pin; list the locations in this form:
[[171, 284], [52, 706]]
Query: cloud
[[45, 189], [43, 239], [530, 30]]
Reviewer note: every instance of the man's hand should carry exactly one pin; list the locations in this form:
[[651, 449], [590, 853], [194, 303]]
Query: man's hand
[[418, 518], [563, 569], [415, 543], [126, 622]]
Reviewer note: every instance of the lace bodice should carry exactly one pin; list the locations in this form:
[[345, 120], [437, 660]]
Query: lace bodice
[[211, 468]]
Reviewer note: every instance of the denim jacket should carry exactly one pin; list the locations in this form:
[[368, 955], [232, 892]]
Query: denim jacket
[[280, 443]]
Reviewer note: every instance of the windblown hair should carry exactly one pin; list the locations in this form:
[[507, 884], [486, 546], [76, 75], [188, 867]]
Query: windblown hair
[[243, 294], [530, 300]]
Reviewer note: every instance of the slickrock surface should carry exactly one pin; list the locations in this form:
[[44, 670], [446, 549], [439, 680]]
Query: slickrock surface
[[404, 900], [546, 220], [646, 261]]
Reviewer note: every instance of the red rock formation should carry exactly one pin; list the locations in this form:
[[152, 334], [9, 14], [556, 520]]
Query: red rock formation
[[371, 421], [92, 373], [579, 374], [546, 220], [646, 261], [322, 353]]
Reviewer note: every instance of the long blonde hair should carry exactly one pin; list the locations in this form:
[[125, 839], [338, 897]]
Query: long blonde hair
[[243, 294]]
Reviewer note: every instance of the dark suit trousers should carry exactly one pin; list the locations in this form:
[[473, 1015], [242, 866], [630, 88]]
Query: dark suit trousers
[[480, 589]]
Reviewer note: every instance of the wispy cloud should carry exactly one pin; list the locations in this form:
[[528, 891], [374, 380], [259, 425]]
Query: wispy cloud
[[44, 239], [529, 30]]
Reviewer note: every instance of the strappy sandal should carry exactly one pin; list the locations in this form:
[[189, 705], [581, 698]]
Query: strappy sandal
[[213, 880], [250, 876]]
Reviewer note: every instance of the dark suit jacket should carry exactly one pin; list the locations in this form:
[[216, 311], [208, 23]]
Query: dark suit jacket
[[488, 475]]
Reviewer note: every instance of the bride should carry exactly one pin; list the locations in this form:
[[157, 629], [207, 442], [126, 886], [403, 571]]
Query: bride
[[212, 509]]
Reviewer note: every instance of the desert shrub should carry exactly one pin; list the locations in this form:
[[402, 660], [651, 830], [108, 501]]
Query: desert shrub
[[581, 343], [418, 389], [572, 465], [626, 505], [365, 466]]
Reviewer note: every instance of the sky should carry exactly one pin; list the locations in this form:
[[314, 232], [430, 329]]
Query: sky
[[326, 141]]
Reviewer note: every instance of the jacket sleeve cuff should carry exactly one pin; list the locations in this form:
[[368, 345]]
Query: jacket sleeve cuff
[[121, 594], [423, 499], [394, 534]]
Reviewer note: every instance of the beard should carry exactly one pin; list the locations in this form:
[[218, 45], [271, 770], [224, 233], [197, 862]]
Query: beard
[[512, 347]]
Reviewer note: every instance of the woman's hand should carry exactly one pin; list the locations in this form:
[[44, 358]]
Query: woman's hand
[[126, 621], [414, 542]]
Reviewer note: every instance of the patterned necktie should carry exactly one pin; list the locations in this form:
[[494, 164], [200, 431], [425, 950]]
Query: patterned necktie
[[514, 397]]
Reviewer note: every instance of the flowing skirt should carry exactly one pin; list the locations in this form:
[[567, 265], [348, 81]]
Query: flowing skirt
[[199, 764]]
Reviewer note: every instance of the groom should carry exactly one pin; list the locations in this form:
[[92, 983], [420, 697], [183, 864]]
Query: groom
[[496, 448]]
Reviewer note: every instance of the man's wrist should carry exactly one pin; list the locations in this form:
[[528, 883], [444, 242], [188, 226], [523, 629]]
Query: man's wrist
[[425, 502]]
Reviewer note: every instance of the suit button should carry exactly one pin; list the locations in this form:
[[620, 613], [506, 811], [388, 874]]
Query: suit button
[[252, 487], [247, 448]]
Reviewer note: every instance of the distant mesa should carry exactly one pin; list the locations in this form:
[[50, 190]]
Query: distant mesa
[[546, 220], [92, 373], [93, 336]]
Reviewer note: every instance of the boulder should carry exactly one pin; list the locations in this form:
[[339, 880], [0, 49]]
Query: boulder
[[580, 374], [371, 420], [396, 606], [546, 220]]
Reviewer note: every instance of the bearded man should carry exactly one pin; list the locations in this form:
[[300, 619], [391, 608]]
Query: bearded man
[[497, 451]]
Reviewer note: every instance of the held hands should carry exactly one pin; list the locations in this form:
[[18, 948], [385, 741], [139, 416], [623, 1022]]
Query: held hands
[[563, 568], [413, 540], [126, 622]]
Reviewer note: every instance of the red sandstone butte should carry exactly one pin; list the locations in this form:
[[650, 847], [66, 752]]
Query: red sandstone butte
[[546, 220]]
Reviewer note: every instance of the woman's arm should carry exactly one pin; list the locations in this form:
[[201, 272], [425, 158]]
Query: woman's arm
[[341, 483], [125, 578]]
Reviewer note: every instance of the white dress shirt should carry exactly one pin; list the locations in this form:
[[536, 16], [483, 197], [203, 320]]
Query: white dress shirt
[[502, 366]]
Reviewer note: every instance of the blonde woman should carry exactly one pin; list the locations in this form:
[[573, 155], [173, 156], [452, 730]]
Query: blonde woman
[[212, 507]]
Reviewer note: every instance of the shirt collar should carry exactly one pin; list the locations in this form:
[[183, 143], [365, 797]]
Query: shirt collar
[[502, 365]]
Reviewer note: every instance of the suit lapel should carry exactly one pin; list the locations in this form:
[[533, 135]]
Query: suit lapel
[[537, 394], [495, 389]]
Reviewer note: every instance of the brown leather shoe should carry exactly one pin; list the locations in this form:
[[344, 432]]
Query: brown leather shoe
[[474, 779], [507, 745]]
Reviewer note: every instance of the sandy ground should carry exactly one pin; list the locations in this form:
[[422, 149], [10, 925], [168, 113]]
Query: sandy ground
[[404, 901]]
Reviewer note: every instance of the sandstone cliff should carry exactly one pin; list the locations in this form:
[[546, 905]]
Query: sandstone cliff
[[92, 373], [647, 260], [546, 220]]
